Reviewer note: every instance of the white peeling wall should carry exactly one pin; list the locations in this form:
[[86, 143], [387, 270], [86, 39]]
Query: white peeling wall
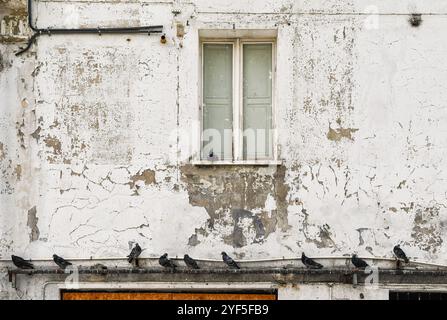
[[95, 134]]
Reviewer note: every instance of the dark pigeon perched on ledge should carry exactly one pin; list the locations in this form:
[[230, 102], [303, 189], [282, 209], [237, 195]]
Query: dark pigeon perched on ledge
[[166, 263], [190, 262], [21, 263], [310, 263], [400, 254], [135, 253], [61, 262], [358, 263], [229, 261]]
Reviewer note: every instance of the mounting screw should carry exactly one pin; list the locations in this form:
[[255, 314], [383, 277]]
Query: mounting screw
[[416, 19], [163, 39]]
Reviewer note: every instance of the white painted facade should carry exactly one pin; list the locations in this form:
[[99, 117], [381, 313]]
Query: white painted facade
[[98, 136]]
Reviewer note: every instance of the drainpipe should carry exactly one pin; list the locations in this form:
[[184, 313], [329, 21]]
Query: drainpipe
[[49, 31], [331, 286]]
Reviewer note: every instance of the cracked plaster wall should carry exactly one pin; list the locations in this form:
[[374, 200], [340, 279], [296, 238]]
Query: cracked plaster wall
[[95, 131]]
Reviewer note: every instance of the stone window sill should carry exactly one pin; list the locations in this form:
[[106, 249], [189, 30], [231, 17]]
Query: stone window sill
[[237, 163]]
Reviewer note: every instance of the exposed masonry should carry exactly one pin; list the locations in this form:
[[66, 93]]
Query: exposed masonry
[[236, 198], [94, 134]]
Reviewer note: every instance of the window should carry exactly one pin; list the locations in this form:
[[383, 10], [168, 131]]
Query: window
[[237, 97]]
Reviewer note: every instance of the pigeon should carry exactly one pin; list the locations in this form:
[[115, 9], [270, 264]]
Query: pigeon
[[21, 263], [229, 261], [61, 262], [190, 262], [212, 156], [400, 254], [165, 262], [358, 263], [134, 254], [309, 263]]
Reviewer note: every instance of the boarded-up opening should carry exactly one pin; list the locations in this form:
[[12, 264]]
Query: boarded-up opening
[[145, 295]]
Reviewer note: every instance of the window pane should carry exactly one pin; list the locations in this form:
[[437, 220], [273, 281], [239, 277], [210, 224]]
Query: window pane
[[257, 101], [217, 137]]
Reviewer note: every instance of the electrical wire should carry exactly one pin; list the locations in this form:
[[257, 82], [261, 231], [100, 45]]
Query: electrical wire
[[50, 31]]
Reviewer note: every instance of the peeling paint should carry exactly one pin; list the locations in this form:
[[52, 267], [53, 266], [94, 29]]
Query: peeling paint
[[53, 142], [36, 134], [2, 151], [237, 238], [147, 176], [32, 224], [18, 172], [320, 235], [340, 133], [426, 230], [193, 241]]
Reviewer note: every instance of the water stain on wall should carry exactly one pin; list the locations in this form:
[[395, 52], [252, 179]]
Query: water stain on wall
[[236, 196]]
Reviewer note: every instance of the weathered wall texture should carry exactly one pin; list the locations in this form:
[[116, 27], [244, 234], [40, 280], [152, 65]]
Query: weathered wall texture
[[94, 134]]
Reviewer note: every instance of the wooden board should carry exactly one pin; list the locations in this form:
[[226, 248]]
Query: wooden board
[[79, 295]]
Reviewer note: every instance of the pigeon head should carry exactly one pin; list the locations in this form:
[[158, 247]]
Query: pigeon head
[[224, 253], [354, 255], [397, 246], [302, 255], [54, 256], [185, 256], [165, 255]]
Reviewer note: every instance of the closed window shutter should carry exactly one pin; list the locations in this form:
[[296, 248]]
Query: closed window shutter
[[217, 101], [257, 101]]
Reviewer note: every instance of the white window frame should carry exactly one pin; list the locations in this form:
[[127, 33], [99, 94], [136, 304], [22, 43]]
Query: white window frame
[[237, 144]]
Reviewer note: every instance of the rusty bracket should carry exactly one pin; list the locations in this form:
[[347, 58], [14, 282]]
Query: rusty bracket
[[354, 280], [12, 278]]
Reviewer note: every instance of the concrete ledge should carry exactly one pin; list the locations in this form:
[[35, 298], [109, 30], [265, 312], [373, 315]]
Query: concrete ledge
[[274, 275]]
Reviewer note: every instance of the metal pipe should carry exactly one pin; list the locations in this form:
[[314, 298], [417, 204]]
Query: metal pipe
[[49, 31]]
